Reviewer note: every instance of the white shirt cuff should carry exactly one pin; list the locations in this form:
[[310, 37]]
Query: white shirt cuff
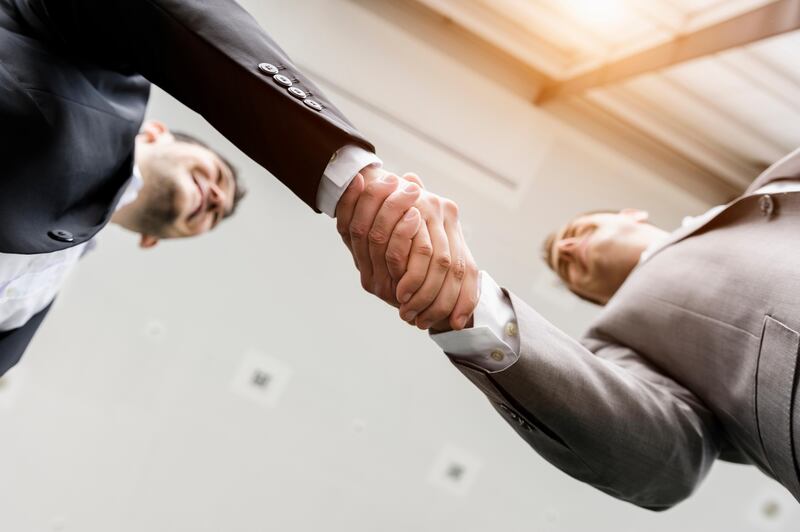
[[492, 343], [342, 168]]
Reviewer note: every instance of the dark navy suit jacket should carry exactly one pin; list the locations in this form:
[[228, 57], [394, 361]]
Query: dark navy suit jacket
[[74, 83]]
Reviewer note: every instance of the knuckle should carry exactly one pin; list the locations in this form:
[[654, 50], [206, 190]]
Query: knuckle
[[450, 208], [443, 261], [358, 231], [378, 236], [395, 257], [459, 269], [391, 204], [372, 192], [425, 249], [372, 188]]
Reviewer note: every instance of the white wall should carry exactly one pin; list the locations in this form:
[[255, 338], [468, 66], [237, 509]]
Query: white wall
[[123, 416]]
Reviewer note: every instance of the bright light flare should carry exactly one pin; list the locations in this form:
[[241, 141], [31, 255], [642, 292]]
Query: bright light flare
[[602, 14]]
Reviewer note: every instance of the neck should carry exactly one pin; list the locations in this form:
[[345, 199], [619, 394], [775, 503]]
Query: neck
[[126, 213], [650, 234], [125, 216]]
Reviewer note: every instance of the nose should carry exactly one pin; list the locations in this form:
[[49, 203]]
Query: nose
[[216, 196]]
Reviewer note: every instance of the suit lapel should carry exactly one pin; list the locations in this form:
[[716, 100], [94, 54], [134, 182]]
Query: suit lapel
[[786, 168]]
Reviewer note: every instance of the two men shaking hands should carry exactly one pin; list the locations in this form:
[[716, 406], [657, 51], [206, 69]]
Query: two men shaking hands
[[409, 247]]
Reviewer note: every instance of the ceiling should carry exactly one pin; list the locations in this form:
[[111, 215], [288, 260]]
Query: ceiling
[[714, 81]]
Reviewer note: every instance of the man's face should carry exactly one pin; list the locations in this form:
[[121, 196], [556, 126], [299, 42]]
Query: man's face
[[593, 254], [187, 188], [199, 186]]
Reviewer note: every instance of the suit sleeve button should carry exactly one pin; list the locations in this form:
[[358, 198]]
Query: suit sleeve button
[[267, 68], [280, 79], [297, 92], [313, 104]]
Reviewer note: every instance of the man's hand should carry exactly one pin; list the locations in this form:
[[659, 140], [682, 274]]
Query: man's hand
[[414, 258], [355, 214]]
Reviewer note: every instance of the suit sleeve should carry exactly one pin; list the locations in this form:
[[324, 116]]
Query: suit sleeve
[[206, 54], [602, 414]]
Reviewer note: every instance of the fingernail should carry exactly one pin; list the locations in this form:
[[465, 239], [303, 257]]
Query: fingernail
[[408, 316], [410, 214], [388, 178], [411, 188], [405, 297]]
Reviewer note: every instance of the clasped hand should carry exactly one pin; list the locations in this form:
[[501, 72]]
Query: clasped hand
[[408, 245]]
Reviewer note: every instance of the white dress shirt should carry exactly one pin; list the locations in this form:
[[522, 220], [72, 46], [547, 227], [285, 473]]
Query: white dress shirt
[[493, 342]]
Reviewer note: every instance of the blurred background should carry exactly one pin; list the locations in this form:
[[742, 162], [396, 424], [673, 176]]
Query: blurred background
[[244, 382]]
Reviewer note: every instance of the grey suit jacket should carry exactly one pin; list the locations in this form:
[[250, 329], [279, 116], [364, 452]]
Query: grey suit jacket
[[694, 358]]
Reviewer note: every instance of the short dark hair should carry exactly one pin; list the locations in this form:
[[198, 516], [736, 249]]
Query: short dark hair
[[239, 189]]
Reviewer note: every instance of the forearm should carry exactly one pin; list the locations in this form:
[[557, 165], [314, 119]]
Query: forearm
[[604, 416], [207, 55]]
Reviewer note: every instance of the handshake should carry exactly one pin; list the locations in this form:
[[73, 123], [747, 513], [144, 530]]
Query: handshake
[[408, 246]]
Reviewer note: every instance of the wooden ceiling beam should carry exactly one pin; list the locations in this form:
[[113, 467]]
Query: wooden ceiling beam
[[761, 23]]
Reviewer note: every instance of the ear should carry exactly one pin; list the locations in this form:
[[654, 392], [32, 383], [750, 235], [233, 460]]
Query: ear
[[152, 130], [148, 241], [636, 214]]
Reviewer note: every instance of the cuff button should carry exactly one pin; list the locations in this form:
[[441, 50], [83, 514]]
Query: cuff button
[[280, 79], [497, 355], [511, 329], [267, 68], [297, 92], [313, 104]]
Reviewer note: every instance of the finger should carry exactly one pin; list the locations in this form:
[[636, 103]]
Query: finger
[[399, 247], [346, 207], [417, 269], [469, 296], [437, 270], [414, 178], [442, 306], [369, 202], [410, 322], [389, 214]]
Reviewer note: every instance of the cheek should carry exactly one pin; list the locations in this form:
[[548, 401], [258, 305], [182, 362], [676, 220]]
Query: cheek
[[607, 243], [185, 194]]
